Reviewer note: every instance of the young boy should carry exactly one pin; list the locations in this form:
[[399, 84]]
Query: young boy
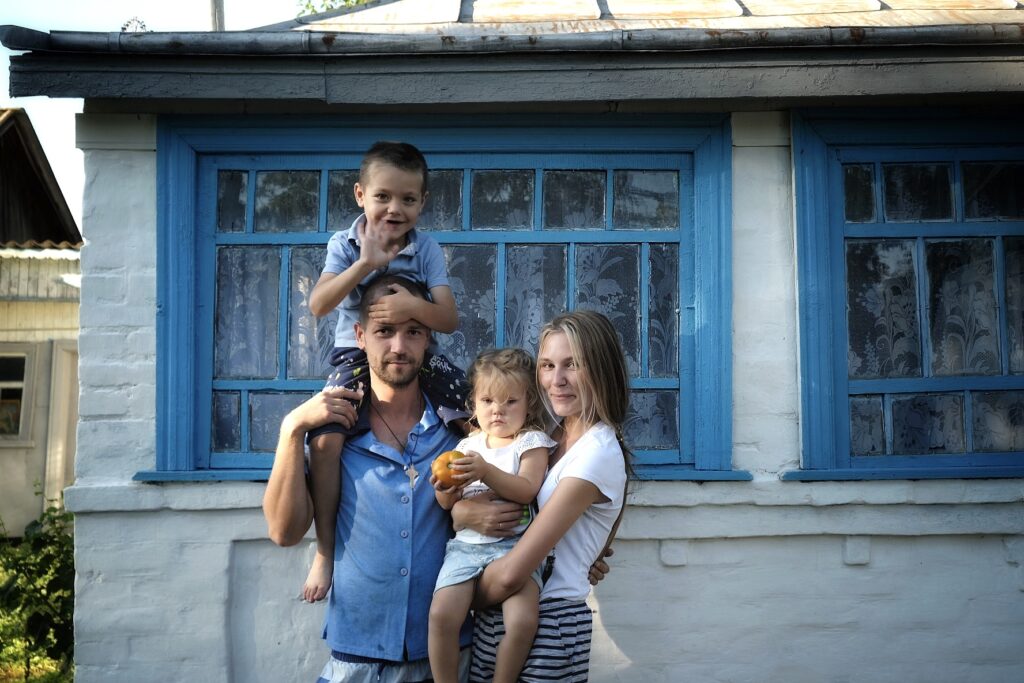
[[392, 190]]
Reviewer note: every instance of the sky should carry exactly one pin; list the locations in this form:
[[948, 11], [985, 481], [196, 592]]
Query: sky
[[54, 119]]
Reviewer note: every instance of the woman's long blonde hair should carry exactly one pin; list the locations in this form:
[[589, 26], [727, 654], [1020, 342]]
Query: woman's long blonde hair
[[604, 380]]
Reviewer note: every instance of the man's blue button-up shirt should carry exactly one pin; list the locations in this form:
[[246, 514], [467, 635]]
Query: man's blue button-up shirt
[[389, 545]]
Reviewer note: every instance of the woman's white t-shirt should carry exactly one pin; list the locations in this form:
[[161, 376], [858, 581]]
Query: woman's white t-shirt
[[596, 457]]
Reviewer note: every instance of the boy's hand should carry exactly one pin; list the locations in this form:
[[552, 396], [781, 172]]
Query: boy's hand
[[394, 308], [373, 250], [472, 468]]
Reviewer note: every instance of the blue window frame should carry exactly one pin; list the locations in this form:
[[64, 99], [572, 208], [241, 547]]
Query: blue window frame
[[630, 219], [911, 279]]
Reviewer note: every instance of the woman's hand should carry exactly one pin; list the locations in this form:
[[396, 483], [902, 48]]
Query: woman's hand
[[600, 568], [486, 515]]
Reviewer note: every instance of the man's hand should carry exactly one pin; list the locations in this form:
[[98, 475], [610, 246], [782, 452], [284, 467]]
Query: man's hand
[[336, 404], [486, 515], [396, 307], [600, 568], [373, 250]]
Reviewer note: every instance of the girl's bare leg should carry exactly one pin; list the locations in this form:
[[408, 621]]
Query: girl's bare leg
[[448, 611], [520, 614], [325, 489]]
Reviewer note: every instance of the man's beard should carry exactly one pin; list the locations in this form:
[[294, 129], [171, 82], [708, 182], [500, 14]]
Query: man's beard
[[393, 377]]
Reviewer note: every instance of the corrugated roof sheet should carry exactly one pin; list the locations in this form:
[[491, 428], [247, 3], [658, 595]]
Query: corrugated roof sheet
[[582, 16]]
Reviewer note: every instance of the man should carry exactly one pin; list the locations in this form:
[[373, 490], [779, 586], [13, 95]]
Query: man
[[391, 533]]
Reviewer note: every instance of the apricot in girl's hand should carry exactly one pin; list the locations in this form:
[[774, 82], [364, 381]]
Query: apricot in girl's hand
[[442, 469]]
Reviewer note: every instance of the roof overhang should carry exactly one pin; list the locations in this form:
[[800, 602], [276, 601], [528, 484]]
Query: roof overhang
[[382, 69]]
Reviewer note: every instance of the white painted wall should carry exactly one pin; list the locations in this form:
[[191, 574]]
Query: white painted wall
[[739, 581]]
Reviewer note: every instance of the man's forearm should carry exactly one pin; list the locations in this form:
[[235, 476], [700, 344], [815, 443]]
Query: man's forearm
[[287, 505]]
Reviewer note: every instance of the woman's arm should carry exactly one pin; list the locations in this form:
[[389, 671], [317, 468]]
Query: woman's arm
[[506, 575], [519, 488]]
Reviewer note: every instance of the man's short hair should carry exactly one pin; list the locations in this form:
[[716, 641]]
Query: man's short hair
[[381, 286]]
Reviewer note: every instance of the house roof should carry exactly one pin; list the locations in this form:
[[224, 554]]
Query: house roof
[[586, 16], [33, 211], [481, 51]]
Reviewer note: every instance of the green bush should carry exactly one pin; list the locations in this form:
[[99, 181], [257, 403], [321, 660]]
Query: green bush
[[37, 600]]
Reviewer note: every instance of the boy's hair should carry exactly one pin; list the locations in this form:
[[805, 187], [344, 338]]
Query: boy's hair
[[508, 366], [601, 368], [401, 155], [381, 286]]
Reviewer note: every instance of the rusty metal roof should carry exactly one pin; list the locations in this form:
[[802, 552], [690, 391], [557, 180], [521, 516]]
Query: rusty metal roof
[[585, 16]]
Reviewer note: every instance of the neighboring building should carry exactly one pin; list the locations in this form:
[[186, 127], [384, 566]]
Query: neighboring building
[[806, 219], [39, 280]]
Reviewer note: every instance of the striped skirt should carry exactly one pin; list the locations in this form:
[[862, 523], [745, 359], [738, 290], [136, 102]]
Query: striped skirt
[[561, 650]]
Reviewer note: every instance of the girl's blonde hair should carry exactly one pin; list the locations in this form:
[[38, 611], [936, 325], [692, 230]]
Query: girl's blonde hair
[[601, 369], [509, 367]]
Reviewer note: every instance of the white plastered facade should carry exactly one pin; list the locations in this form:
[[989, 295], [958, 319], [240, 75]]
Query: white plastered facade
[[740, 581]]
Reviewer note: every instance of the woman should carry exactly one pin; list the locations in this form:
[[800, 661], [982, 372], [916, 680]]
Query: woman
[[583, 380]]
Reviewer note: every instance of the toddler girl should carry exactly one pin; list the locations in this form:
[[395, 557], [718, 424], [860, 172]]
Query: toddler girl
[[508, 455]]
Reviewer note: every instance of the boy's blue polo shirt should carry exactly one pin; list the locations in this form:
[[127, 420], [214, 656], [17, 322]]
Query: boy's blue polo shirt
[[389, 545], [421, 260]]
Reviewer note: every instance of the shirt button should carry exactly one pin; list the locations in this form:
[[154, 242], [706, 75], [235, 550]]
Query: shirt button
[[404, 572], [405, 534], [405, 499]]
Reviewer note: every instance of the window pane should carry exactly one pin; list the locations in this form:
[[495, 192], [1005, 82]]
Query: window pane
[[232, 194], [12, 368], [534, 291], [1014, 247], [444, 203], [310, 339], [867, 426], [881, 309], [247, 310], [471, 272], [663, 326], [859, 192], [928, 423], [266, 410], [10, 411], [225, 428], [962, 306], [653, 420], [994, 190], [917, 192], [502, 200], [574, 200], [287, 201], [608, 281], [342, 209], [998, 421], [645, 200]]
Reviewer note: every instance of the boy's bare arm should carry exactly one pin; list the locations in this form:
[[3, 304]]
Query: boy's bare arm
[[332, 288], [395, 308]]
